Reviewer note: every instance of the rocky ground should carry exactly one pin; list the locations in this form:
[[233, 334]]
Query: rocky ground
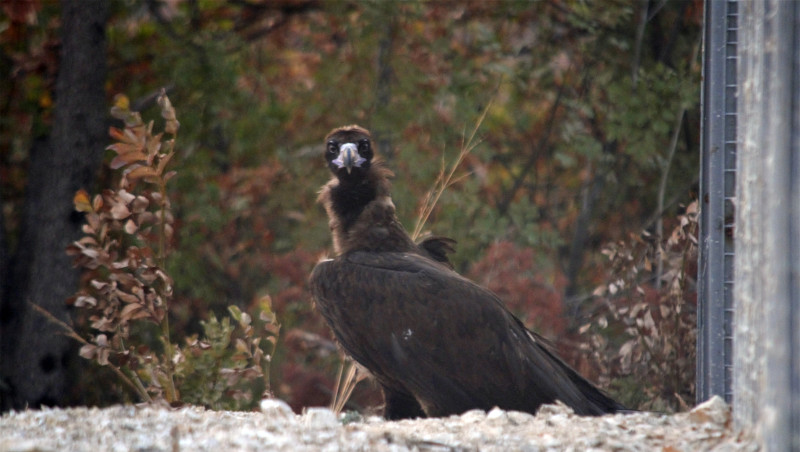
[[555, 427]]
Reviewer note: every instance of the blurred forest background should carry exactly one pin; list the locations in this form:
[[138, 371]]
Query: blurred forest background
[[590, 138]]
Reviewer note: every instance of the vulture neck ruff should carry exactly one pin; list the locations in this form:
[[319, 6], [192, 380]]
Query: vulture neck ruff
[[348, 199], [362, 215]]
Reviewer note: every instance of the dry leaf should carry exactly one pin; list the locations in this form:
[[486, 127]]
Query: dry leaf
[[120, 211], [140, 172], [81, 201]]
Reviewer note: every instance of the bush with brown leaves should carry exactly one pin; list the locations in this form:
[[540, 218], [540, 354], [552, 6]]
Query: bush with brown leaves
[[126, 290], [642, 336]]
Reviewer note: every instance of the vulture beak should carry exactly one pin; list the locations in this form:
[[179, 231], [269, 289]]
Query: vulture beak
[[348, 157]]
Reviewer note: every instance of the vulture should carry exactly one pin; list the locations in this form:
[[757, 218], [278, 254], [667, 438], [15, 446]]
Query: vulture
[[436, 342]]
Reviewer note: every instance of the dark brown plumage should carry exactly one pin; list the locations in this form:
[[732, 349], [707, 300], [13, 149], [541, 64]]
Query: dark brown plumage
[[437, 343]]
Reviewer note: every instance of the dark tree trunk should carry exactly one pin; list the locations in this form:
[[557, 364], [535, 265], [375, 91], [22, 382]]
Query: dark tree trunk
[[4, 386], [34, 355]]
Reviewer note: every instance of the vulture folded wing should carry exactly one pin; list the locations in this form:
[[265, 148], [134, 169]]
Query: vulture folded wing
[[437, 248], [424, 329]]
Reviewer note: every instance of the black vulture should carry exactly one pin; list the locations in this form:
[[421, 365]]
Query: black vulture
[[437, 343]]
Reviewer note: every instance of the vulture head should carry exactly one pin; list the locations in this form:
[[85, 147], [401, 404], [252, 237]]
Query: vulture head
[[348, 151]]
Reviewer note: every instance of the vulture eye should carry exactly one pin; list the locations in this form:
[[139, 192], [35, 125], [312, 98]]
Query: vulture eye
[[333, 148], [363, 146]]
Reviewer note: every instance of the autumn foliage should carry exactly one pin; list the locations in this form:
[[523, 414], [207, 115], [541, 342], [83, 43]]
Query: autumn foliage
[[576, 102]]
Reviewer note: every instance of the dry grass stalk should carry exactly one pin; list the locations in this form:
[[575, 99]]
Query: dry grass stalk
[[446, 177], [345, 385]]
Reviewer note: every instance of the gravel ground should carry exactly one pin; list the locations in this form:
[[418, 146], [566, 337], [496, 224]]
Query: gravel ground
[[554, 428]]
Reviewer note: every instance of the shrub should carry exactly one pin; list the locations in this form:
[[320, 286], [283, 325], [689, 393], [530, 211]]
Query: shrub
[[126, 290], [650, 354]]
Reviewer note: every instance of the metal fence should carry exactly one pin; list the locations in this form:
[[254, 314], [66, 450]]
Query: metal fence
[[717, 194], [749, 340]]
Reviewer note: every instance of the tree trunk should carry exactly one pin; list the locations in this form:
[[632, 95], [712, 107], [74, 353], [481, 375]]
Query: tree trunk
[[34, 354]]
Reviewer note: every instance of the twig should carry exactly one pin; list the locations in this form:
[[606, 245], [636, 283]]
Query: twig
[[166, 111], [504, 203], [68, 330], [637, 52], [662, 189], [134, 382]]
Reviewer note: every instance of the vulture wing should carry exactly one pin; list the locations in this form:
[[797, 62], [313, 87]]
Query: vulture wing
[[429, 334], [437, 248]]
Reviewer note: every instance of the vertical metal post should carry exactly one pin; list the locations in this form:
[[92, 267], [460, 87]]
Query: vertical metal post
[[717, 195], [767, 299], [794, 242]]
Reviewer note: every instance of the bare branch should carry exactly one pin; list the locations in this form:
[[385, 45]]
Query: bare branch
[[505, 201]]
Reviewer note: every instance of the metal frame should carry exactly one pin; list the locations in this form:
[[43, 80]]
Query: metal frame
[[717, 195]]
